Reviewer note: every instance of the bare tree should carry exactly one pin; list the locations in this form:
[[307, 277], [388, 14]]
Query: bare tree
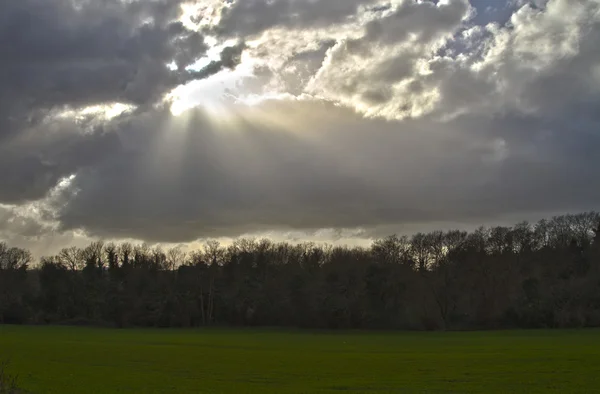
[[175, 257], [73, 258], [13, 258]]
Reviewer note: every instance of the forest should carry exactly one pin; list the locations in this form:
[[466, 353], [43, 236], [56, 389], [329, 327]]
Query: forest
[[542, 275]]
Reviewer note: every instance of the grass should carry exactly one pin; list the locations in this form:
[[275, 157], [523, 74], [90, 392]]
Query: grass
[[88, 360], [8, 381]]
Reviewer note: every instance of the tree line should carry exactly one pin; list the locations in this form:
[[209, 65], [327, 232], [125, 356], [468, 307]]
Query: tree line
[[525, 276]]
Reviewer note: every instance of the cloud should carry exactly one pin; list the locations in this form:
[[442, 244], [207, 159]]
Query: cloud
[[193, 179], [63, 53], [250, 17], [60, 56], [439, 64], [229, 58], [386, 72], [367, 116], [34, 161]]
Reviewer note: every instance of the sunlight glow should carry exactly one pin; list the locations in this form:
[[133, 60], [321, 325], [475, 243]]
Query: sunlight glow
[[200, 14], [215, 94], [256, 99], [104, 111]]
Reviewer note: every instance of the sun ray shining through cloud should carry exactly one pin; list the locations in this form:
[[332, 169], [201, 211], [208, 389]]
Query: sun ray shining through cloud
[[214, 94]]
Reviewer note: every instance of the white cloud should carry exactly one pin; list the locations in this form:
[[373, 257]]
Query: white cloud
[[386, 72]]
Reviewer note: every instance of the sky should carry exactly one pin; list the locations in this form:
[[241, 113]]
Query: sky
[[174, 122]]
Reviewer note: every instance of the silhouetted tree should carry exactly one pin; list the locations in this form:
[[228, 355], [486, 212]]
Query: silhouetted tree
[[14, 288], [542, 275]]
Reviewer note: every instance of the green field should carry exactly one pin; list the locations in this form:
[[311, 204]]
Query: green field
[[86, 360]]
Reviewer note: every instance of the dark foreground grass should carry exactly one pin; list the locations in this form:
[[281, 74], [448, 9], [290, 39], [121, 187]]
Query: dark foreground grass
[[85, 360]]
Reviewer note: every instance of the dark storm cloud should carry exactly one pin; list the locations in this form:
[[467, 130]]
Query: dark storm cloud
[[339, 170], [207, 182], [63, 53], [77, 53], [510, 125], [33, 162]]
